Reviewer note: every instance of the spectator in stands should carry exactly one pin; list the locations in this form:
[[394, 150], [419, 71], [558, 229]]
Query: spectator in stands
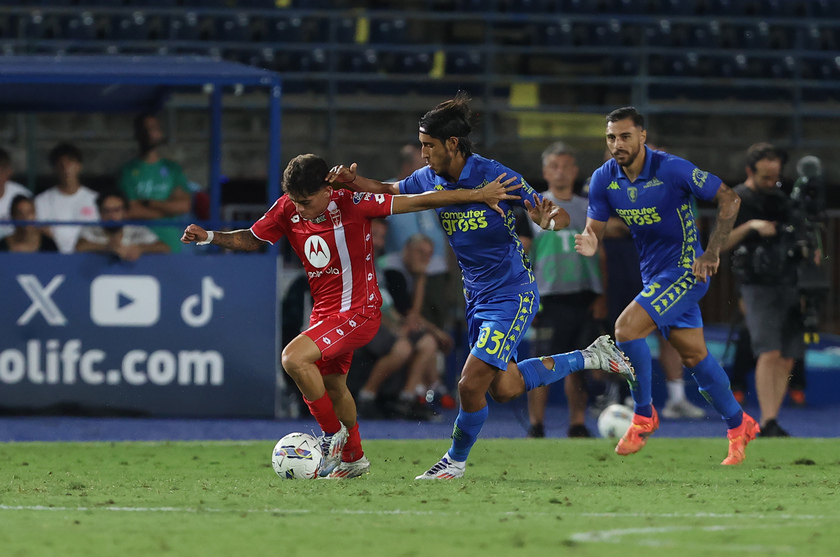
[[572, 302], [26, 238], [768, 281], [155, 187], [126, 241], [439, 309], [8, 191], [69, 200], [396, 346]]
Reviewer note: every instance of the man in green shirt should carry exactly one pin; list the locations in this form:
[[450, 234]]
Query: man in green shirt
[[155, 187]]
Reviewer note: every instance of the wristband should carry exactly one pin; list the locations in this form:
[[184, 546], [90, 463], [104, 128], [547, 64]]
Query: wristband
[[550, 225], [209, 239]]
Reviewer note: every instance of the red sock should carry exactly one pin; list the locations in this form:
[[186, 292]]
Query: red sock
[[353, 447], [324, 413]]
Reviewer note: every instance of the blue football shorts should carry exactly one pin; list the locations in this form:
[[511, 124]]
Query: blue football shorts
[[496, 324], [671, 299]]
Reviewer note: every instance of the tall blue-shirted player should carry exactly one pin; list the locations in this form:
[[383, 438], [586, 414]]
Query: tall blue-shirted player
[[651, 191], [499, 285]]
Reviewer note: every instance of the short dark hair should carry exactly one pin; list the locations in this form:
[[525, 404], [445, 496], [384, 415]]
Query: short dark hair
[[17, 200], [5, 159], [65, 150], [627, 112], [452, 118], [139, 125], [764, 151], [100, 199], [305, 175]]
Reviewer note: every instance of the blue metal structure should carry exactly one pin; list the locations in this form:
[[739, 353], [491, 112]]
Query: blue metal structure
[[77, 83]]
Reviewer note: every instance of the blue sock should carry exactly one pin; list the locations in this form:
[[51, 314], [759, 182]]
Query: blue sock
[[714, 386], [536, 374], [467, 427], [639, 354]]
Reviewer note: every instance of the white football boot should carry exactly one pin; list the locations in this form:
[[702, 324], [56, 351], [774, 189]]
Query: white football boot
[[445, 469], [604, 354], [347, 470], [331, 447]]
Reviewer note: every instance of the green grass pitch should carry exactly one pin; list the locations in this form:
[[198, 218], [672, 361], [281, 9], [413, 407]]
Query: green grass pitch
[[520, 497]]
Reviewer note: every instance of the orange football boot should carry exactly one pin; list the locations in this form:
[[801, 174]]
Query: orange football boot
[[738, 439], [637, 434]]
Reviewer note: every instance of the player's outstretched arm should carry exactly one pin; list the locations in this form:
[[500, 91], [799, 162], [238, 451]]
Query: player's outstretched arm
[[491, 194], [238, 240], [728, 204], [350, 179], [547, 215], [586, 243]]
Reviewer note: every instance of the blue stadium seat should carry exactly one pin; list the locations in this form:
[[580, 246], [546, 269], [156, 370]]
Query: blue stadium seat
[[411, 63], [606, 34], [726, 7], [820, 38], [752, 37], [40, 26], [631, 7], [235, 28], [130, 28], [783, 67], [825, 8], [529, 6], [389, 31], [366, 61], [81, 27], [557, 34], [624, 65], [474, 5], [284, 30], [184, 27], [464, 63], [706, 35], [345, 30], [676, 7], [820, 69], [665, 34]]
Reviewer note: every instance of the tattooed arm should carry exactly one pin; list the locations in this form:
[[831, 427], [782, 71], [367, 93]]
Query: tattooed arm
[[237, 240], [728, 204]]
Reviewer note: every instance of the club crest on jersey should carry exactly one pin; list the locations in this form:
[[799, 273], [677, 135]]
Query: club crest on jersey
[[317, 252], [633, 193], [699, 177], [295, 219], [359, 196]]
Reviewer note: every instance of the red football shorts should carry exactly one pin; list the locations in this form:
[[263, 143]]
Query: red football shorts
[[338, 335]]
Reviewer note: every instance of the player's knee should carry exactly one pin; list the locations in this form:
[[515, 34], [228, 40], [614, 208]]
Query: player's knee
[[427, 343], [292, 362], [469, 389]]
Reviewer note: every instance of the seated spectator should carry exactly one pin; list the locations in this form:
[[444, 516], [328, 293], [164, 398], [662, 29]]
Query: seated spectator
[[26, 238], [155, 187], [128, 241], [8, 191], [399, 343], [68, 200]]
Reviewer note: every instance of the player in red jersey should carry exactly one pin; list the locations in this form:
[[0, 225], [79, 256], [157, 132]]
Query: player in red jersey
[[330, 232]]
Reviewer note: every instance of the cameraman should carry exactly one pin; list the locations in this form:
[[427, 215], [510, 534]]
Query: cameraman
[[765, 260]]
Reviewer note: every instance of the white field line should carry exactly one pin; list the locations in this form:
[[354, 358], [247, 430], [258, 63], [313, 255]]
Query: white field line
[[620, 536], [417, 513]]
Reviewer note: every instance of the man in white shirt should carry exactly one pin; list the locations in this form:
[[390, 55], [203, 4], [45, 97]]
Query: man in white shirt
[[69, 199], [8, 191]]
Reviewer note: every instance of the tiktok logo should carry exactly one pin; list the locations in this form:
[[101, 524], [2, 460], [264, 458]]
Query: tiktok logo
[[209, 291]]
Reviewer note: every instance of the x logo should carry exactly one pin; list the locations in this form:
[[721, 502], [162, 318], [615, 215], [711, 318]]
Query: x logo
[[41, 300]]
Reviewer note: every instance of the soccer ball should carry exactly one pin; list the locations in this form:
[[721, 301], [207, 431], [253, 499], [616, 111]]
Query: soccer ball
[[614, 420], [297, 456]]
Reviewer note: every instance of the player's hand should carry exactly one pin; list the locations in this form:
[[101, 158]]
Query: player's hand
[[765, 228], [497, 191], [342, 174], [705, 266], [543, 212], [586, 244], [194, 233], [129, 253]]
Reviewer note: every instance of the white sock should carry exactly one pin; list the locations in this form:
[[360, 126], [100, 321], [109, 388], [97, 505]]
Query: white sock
[[676, 390], [590, 360]]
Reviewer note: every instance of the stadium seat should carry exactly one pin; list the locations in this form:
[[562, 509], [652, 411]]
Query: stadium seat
[[281, 30], [345, 30], [819, 38], [606, 34], [366, 61], [675, 7], [464, 63], [40, 26], [393, 31], [410, 63], [184, 27], [130, 28], [557, 34], [706, 35], [783, 67], [235, 28], [752, 37], [825, 8], [474, 5], [81, 27], [529, 6]]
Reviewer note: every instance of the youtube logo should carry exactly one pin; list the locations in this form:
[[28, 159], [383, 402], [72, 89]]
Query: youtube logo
[[125, 301]]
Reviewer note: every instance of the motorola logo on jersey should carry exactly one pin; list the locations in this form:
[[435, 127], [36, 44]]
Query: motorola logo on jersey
[[317, 252]]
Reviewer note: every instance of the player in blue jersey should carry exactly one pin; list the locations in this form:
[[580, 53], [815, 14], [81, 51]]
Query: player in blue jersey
[[499, 286], [651, 191]]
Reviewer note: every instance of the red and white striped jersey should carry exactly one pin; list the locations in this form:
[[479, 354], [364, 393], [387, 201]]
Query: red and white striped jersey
[[336, 248]]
